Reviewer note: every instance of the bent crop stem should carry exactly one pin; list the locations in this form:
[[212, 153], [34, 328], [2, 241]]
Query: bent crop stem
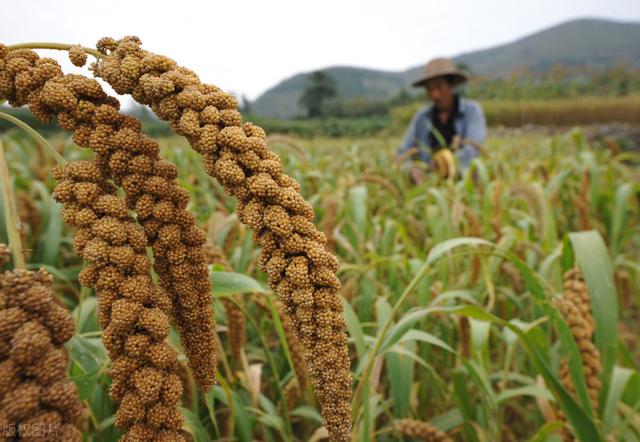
[[54, 46], [10, 213], [36, 137]]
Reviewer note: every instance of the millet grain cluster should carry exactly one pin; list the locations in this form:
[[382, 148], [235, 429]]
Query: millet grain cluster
[[131, 160], [293, 254], [5, 254], [77, 56], [420, 430], [575, 306], [37, 401], [133, 312]]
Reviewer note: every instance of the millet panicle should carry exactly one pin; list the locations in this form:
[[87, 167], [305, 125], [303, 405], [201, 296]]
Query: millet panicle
[[575, 306], [132, 311], [131, 160], [35, 392], [235, 152]]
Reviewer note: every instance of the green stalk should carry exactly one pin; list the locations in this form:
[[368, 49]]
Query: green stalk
[[36, 136], [55, 46], [285, 416], [367, 370], [362, 390], [10, 213]]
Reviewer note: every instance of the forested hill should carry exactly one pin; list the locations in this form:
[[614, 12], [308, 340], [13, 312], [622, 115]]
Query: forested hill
[[585, 42]]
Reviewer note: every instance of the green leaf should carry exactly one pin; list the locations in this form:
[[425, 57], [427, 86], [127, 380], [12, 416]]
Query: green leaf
[[584, 426], [567, 254], [446, 246], [465, 400], [87, 382], [619, 379], [406, 322], [480, 378], [510, 337], [447, 420], [620, 216], [400, 369], [383, 311], [547, 433], [479, 335], [284, 344], [463, 295], [354, 328], [307, 412], [357, 206], [194, 426], [528, 390], [569, 345], [86, 315], [593, 257], [88, 353], [231, 283], [421, 336], [48, 246]]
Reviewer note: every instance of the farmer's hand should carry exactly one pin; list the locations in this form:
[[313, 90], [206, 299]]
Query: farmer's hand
[[417, 175]]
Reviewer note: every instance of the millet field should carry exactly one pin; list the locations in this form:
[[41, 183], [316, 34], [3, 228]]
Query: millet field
[[227, 284]]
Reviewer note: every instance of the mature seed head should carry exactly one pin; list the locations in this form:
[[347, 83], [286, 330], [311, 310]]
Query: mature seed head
[[420, 430], [33, 379], [576, 308], [77, 55], [5, 254], [236, 154], [126, 157]]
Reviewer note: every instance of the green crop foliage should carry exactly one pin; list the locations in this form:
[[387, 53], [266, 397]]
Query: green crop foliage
[[448, 290]]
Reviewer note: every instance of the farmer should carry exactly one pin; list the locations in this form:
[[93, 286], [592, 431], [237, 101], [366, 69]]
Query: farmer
[[451, 121]]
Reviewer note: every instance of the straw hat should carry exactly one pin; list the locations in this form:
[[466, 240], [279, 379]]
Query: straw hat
[[439, 67]]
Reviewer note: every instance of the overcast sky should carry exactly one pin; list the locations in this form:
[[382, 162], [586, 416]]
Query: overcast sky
[[248, 46]]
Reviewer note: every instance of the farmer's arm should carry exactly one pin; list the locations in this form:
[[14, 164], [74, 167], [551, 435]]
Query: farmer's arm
[[412, 139], [476, 131]]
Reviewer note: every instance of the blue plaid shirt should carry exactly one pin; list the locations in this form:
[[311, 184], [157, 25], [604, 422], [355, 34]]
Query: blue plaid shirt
[[469, 123]]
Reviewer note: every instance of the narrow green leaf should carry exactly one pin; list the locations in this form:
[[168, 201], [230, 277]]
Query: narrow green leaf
[[400, 369], [619, 379], [307, 412], [230, 283], [548, 433], [87, 382], [527, 390], [447, 420], [405, 323], [465, 401], [593, 257], [444, 247], [428, 338], [620, 216], [584, 426], [357, 206], [194, 426], [354, 328], [48, 246]]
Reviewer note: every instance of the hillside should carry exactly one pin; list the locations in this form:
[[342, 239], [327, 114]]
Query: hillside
[[585, 42]]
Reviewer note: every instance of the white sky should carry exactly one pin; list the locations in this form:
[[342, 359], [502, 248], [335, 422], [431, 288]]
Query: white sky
[[248, 46]]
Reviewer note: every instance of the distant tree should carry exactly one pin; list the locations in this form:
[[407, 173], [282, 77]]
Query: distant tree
[[245, 108], [403, 97], [320, 88], [464, 67]]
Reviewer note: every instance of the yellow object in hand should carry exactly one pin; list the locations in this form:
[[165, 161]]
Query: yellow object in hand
[[444, 163]]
